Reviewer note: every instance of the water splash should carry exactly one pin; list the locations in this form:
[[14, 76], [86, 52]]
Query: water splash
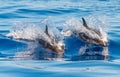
[[89, 51], [23, 31], [34, 32]]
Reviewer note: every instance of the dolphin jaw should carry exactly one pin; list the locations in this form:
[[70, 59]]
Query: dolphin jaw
[[60, 44]]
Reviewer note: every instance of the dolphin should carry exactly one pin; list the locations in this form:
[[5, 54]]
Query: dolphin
[[56, 45], [89, 35], [97, 39]]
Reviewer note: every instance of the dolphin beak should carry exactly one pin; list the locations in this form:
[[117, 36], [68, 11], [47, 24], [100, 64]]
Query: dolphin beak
[[105, 44]]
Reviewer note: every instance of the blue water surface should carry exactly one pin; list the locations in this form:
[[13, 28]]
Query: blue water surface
[[33, 11]]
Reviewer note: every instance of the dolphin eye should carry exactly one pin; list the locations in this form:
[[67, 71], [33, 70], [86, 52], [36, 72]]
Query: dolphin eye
[[74, 33], [53, 43], [62, 47]]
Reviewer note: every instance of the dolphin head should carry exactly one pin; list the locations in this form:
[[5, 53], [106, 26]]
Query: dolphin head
[[57, 46], [99, 38]]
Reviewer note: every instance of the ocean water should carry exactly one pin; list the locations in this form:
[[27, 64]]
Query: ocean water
[[19, 14]]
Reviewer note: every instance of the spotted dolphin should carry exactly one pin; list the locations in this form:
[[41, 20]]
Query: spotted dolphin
[[97, 39], [56, 45]]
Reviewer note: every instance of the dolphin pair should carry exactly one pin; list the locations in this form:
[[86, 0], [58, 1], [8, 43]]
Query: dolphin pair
[[58, 46]]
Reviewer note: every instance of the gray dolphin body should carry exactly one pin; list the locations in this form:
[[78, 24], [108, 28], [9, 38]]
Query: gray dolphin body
[[93, 37], [98, 38], [55, 46]]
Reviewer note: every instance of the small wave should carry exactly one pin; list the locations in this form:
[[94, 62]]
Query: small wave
[[8, 44]]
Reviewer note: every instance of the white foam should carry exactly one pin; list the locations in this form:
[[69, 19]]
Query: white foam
[[33, 31]]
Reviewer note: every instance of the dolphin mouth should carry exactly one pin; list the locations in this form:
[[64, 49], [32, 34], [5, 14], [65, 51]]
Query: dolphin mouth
[[104, 44]]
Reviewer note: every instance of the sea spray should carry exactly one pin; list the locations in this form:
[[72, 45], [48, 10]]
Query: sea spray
[[88, 51], [33, 32], [25, 31]]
